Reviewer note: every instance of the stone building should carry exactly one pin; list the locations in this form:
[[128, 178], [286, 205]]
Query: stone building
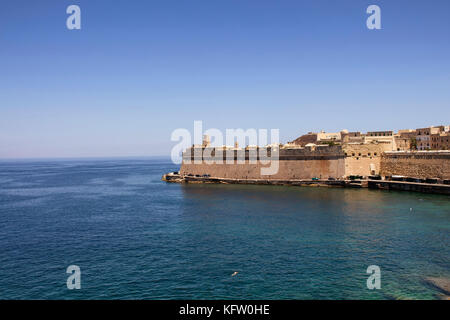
[[363, 159], [386, 137], [402, 143], [379, 134], [440, 141], [328, 137], [405, 140], [351, 137], [445, 141], [407, 133], [423, 137]]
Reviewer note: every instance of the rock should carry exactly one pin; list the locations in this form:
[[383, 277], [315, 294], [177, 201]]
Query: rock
[[440, 283]]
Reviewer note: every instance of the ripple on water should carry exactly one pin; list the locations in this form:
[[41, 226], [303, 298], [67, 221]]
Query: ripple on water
[[136, 237]]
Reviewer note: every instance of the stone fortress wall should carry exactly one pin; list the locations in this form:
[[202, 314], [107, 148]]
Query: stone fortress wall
[[353, 155], [420, 164], [363, 159], [332, 162], [300, 163]]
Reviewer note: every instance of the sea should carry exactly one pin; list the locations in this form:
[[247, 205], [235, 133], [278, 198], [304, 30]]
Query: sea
[[133, 236]]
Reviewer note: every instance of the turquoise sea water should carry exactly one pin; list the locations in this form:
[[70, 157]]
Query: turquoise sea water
[[136, 237]]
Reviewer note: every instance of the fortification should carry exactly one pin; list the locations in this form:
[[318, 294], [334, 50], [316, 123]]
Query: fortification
[[363, 159], [419, 164], [346, 159], [294, 163], [323, 161], [354, 159]]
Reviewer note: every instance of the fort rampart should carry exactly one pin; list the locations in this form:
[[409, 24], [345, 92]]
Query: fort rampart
[[418, 164], [320, 162], [304, 163]]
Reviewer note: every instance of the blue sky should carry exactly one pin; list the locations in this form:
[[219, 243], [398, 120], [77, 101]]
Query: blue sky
[[137, 70]]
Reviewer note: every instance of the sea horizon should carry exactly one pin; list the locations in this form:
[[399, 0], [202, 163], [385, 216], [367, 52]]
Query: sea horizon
[[87, 158]]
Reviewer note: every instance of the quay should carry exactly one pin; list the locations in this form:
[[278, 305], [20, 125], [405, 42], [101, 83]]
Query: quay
[[437, 188]]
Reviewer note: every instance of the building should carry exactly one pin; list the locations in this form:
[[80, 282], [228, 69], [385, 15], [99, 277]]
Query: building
[[403, 143], [363, 159], [423, 137], [351, 137], [327, 137], [440, 141], [379, 134], [445, 141], [386, 137], [407, 133]]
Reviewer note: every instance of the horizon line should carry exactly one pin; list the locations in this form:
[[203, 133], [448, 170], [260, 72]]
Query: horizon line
[[81, 158]]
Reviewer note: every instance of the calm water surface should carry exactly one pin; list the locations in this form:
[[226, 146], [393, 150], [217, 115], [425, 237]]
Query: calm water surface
[[136, 237]]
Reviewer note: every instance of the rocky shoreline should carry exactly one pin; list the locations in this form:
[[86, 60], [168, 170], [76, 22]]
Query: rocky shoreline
[[442, 284]]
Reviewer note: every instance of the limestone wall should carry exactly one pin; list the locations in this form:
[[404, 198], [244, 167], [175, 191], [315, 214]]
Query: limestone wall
[[303, 163], [416, 164], [334, 161], [360, 159], [288, 169]]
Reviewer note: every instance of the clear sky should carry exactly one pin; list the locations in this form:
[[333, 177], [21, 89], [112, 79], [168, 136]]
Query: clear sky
[[137, 70]]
